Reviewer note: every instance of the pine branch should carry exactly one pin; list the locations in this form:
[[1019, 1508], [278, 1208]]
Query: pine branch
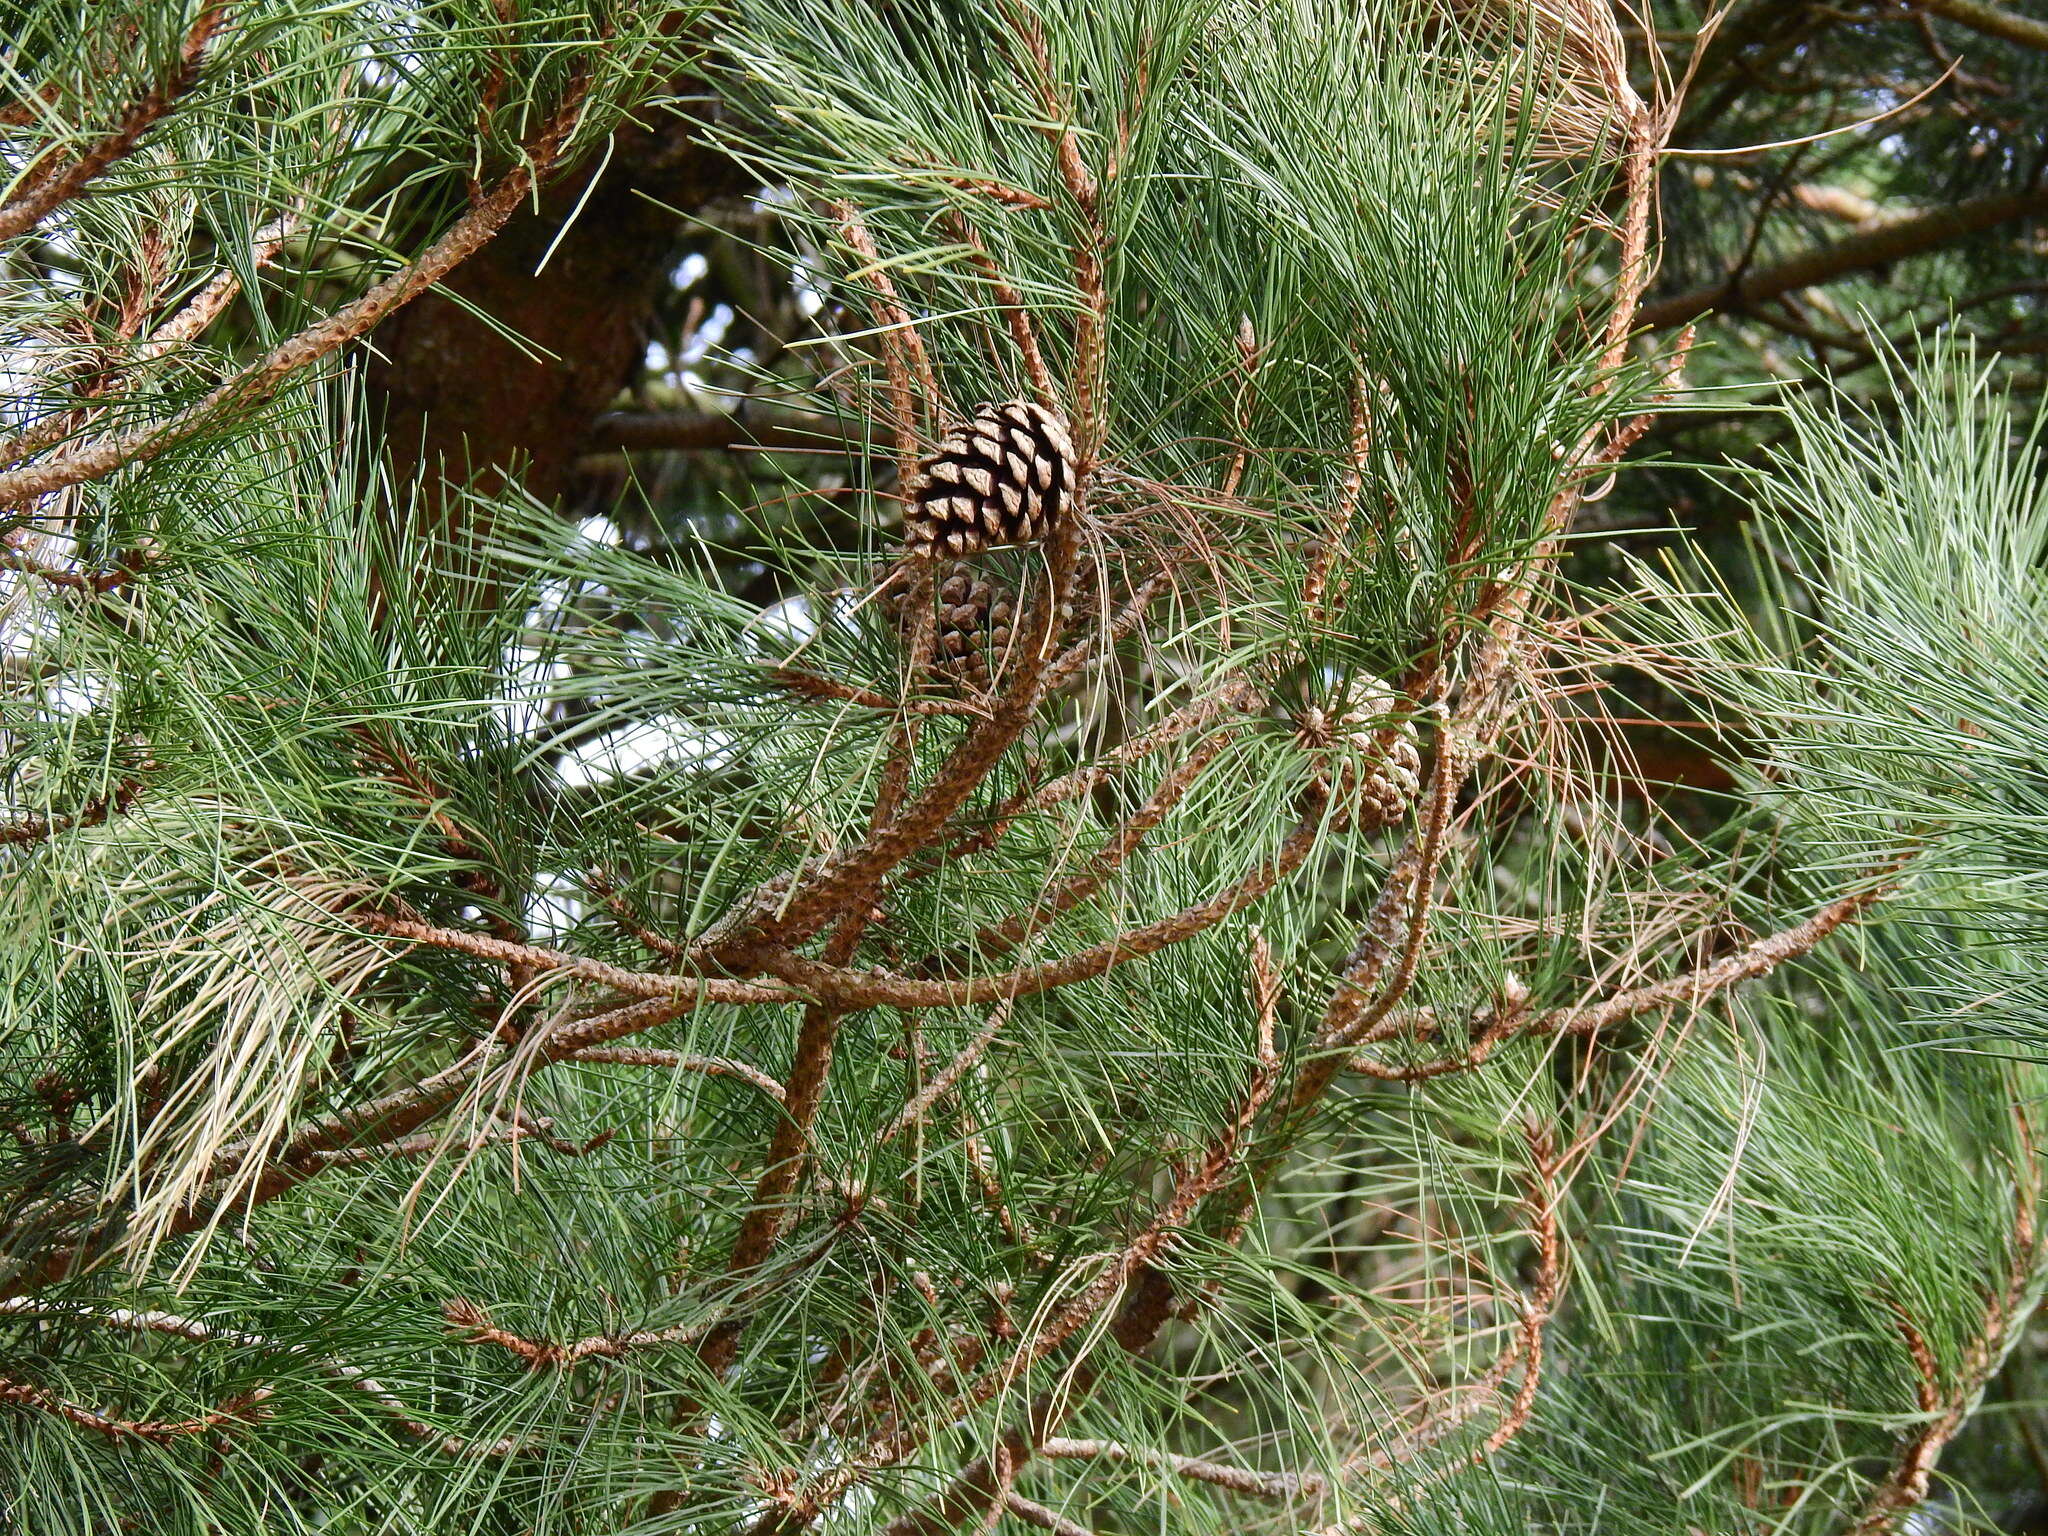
[[1992, 21], [1045, 1519], [50, 183], [1898, 240], [677, 1061], [1265, 1485], [199, 1332], [238, 1410], [259, 380], [475, 1325]]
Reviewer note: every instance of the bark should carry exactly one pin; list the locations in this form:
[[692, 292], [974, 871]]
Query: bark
[[462, 402]]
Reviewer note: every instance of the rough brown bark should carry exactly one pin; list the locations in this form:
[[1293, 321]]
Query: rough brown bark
[[463, 402]]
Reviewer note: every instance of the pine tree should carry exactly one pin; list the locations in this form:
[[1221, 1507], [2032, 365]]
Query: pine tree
[[507, 1028]]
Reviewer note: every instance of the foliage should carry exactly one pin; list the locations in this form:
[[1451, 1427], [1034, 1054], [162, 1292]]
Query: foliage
[[510, 1025]]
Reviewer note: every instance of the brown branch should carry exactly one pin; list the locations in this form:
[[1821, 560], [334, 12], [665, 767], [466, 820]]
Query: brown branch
[[1539, 1301], [1348, 492], [200, 311], [1265, 1485], [1510, 1020], [428, 1143], [200, 1332], [903, 352], [395, 1115], [869, 988], [676, 1061], [1045, 1519], [1184, 721], [1894, 241], [1411, 889], [46, 187], [647, 984], [546, 1354], [1015, 315], [1992, 21], [948, 1075], [1120, 628], [803, 1095], [811, 685], [1001, 938], [1944, 1413], [236, 1410], [20, 112], [793, 908], [215, 295], [1128, 1275], [1755, 959], [260, 379]]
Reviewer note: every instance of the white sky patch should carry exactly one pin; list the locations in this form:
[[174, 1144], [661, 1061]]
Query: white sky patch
[[639, 747], [708, 335], [789, 622], [554, 908]]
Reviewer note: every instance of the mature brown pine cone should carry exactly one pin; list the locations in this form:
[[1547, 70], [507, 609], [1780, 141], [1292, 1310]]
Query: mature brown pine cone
[[1003, 477]]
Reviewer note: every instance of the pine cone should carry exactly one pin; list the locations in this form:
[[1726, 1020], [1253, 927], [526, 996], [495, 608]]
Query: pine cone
[[976, 620], [1004, 477], [976, 616], [1382, 776]]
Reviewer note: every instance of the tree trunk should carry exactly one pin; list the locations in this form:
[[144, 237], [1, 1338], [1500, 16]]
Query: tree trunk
[[464, 403]]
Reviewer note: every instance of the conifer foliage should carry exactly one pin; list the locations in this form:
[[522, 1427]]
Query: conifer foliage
[[1142, 992]]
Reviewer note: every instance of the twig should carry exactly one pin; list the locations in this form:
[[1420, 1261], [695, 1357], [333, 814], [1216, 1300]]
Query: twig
[[546, 1354], [816, 687], [1752, 960], [1011, 303], [902, 348], [981, 1485], [46, 187], [1897, 240], [427, 1143], [236, 1410], [950, 1074], [1944, 1413], [676, 1061], [1265, 1485], [1045, 1519], [1000, 938], [202, 1332], [862, 989], [1348, 492], [647, 984]]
